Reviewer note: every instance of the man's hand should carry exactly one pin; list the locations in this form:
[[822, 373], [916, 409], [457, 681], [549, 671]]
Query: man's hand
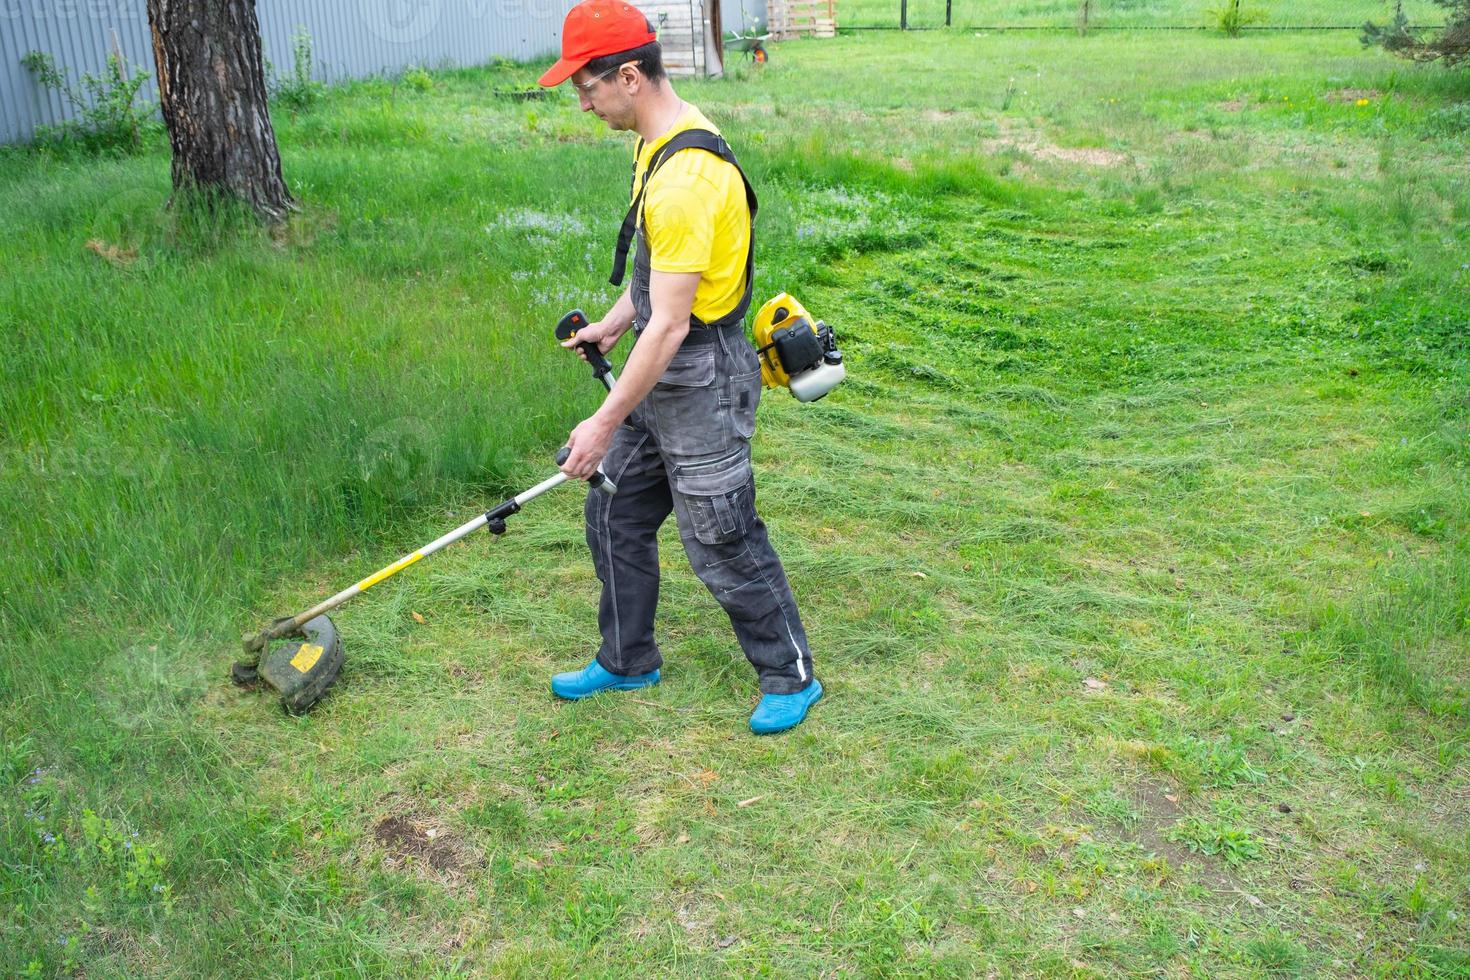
[[588, 442], [602, 333]]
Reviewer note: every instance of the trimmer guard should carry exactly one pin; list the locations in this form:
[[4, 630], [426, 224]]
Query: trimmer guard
[[303, 670]]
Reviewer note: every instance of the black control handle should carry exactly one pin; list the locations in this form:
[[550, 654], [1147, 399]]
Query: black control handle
[[567, 328]]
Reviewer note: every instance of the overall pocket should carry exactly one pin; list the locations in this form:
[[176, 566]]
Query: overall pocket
[[690, 415], [744, 398], [718, 495]]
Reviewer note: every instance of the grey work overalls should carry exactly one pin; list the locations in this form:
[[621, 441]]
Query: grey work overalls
[[686, 449]]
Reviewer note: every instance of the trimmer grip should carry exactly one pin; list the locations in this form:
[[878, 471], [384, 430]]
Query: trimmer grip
[[600, 364], [567, 328], [598, 479]]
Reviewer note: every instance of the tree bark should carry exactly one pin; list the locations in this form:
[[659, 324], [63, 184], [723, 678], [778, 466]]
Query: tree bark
[[212, 91]]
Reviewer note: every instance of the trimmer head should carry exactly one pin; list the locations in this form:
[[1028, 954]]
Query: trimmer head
[[300, 669]]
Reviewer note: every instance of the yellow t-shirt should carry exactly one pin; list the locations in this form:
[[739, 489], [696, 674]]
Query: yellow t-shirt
[[698, 219]]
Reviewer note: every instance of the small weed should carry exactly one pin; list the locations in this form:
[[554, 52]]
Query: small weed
[[1148, 200], [1109, 805], [1278, 954], [1223, 762], [1451, 120], [1380, 779], [16, 757], [590, 916], [1235, 845], [418, 79], [1424, 906], [122, 865]]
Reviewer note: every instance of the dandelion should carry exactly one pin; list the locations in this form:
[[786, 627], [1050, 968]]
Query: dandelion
[[1362, 102]]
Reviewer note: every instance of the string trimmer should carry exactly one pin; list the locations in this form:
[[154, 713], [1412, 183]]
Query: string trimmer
[[303, 669]]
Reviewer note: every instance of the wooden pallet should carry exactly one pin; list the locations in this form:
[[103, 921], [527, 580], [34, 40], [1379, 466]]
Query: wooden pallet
[[798, 18]]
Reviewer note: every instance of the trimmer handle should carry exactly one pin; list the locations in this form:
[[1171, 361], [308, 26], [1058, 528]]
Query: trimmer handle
[[598, 479], [567, 328]]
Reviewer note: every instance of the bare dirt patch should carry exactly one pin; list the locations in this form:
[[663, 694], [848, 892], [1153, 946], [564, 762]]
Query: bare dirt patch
[[407, 840], [694, 915], [1344, 95], [1031, 143], [1232, 105], [1092, 156], [1159, 814]]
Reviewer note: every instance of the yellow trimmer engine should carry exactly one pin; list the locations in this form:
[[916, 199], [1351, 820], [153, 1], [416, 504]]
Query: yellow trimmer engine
[[796, 351]]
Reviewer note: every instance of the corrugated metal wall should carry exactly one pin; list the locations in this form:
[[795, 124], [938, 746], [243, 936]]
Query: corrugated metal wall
[[352, 39], [735, 15]]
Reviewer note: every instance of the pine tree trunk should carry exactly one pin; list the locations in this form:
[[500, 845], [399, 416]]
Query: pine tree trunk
[[211, 84]]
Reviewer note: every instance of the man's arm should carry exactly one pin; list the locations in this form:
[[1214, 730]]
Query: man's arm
[[619, 319], [673, 302]]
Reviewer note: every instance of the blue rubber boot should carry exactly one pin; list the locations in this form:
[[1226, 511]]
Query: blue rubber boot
[[778, 712], [594, 678]]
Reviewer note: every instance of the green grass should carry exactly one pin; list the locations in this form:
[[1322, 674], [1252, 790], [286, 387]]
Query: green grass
[[1158, 381], [1128, 14]]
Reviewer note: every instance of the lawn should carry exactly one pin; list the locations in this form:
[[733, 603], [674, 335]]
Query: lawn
[[1133, 552], [1130, 14]]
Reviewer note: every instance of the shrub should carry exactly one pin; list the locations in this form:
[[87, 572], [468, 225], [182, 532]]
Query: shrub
[[298, 88], [1232, 18], [110, 117]]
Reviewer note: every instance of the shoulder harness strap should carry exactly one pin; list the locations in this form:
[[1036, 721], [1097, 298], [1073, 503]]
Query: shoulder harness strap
[[698, 139]]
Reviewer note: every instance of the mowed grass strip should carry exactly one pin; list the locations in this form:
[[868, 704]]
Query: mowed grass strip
[[1133, 551]]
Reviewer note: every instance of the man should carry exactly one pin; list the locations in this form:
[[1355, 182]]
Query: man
[[674, 433]]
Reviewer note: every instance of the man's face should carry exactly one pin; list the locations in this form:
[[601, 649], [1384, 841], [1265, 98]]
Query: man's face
[[609, 95]]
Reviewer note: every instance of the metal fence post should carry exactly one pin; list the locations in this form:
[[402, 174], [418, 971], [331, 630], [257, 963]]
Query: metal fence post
[[903, 15], [948, 5]]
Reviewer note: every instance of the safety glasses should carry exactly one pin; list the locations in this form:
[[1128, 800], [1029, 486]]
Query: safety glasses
[[586, 87]]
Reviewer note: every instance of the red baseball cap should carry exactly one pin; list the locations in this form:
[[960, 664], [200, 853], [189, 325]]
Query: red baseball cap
[[594, 28]]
